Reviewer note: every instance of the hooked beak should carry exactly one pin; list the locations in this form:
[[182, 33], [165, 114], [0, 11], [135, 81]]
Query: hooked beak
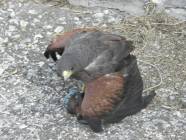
[[67, 74]]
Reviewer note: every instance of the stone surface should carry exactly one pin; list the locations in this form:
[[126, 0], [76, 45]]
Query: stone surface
[[31, 93], [130, 6], [176, 8]]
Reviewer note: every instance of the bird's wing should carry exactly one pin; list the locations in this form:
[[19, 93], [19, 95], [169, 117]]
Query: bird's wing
[[111, 60], [61, 41]]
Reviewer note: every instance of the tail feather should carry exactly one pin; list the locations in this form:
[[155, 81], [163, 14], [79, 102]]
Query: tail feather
[[129, 107]]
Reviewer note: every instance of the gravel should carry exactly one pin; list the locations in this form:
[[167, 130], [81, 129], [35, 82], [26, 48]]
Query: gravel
[[31, 93]]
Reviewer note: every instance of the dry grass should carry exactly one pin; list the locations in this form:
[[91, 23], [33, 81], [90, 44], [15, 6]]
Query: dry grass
[[157, 29]]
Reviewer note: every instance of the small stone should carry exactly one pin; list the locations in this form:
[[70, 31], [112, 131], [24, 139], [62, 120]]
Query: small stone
[[99, 15], [40, 16], [33, 12], [47, 27], [1, 71], [41, 64], [20, 4], [104, 25], [106, 11], [1, 40], [78, 22], [22, 126], [36, 20], [8, 33], [16, 36], [157, 1], [172, 98], [38, 36], [59, 29], [23, 23], [64, 22], [12, 28], [12, 14], [178, 113], [49, 33], [76, 18], [62, 18], [5, 40], [111, 19]]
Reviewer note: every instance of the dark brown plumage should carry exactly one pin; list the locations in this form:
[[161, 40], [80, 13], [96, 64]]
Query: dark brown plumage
[[111, 97], [103, 62], [101, 96]]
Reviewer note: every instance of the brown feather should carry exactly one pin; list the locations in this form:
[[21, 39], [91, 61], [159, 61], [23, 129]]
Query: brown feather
[[102, 94]]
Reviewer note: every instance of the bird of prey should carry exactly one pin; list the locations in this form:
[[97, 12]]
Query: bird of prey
[[109, 98], [88, 54]]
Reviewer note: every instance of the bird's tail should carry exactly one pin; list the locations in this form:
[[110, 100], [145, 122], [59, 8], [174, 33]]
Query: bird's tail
[[129, 107]]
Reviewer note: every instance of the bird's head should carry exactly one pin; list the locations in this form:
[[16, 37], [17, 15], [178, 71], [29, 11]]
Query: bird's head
[[67, 67]]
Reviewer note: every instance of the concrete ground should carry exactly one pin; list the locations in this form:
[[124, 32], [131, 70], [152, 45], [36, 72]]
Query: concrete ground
[[31, 94]]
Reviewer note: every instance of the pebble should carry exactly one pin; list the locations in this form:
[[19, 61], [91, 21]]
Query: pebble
[[1, 40], [22, 126], [62, 18], [5, 40], [47, 27], [23, 23], [106, 11], [11, 28], [12, 14], [38, 36], [111, 19], [36, 20], [41, 64], [157, 1], [59, 29], [76, 18], [99, 15], [33, 12]]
